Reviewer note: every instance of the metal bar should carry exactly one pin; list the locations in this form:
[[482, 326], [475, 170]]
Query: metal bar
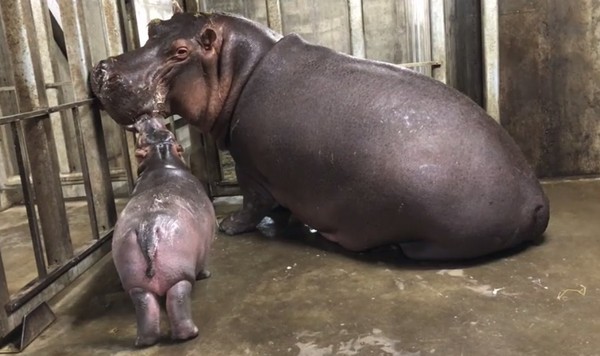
[[225, 190], [273, 15], [113, 38], [172, 126], [213, 167], [114, 43], [437, 13], [421, 64], [36, 291], [36, 114], [91, 126], [40, 143], [357, 32], [4, 298], [23, 164], [56, 85], [198, 157], [70, 178], [86, 175], [127, 160], [491, 89], [45, 45], [8, 88]]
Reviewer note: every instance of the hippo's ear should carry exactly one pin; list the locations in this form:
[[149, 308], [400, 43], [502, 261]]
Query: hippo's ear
[[140, 154], [208, 38], [176, 7]]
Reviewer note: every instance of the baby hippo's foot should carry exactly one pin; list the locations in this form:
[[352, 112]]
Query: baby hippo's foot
[[179, 311], [184, 330]]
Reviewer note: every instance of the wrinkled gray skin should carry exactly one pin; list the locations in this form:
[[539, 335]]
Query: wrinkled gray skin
[[366, 153], [163, 236]]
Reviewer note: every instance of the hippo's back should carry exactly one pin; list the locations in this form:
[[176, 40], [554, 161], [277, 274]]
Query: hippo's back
[[367, 149]]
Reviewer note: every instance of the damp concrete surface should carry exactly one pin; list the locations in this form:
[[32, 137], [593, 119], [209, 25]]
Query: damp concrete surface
[[283, 290]]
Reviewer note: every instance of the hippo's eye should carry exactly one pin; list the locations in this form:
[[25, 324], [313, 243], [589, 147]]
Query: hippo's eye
[[181, 52]]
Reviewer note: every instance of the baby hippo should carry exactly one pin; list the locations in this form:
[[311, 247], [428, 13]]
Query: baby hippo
[[163, 236]]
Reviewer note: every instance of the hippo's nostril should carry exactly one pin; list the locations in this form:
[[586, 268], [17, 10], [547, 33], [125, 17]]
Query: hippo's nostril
[[102, 70], [102, 65]]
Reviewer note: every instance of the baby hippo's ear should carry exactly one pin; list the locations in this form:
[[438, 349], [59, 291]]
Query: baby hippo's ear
[[140, 154], [180, 151]]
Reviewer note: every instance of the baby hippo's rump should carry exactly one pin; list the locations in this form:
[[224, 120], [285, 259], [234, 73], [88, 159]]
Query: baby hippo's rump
[[162, 238]]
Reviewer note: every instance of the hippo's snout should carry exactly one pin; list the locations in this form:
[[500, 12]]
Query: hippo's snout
[[101, 75]]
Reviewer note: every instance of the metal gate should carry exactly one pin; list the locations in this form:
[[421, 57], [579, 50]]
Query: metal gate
[[53, 144], [419, 36]]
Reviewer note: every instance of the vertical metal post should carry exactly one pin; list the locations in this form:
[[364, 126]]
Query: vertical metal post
[[419, 33], [38, 132], [198, 158], [91, 126], [85, 172], [438, 39], [24, 172], [43, 29], [4, 297], [357, 34], [114, 42], [274, 15], [491, 89]]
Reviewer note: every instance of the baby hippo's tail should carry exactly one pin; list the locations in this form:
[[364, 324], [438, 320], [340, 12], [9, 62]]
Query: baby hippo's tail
[[148, 235]]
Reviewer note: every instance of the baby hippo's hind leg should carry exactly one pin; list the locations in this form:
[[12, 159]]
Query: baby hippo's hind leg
[[179, 310], [147, 312]]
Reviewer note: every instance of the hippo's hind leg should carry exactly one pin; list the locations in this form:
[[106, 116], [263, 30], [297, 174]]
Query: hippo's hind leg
[[179, 310], [147, 312], [257, 203]]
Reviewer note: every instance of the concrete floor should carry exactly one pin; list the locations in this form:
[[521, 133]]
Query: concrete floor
[[287, 292]]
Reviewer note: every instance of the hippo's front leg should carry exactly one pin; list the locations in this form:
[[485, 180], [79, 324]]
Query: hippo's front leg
[[257, 203]]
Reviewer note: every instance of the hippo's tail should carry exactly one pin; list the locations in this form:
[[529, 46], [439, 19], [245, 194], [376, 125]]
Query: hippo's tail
[[147, 239], [539, 220]]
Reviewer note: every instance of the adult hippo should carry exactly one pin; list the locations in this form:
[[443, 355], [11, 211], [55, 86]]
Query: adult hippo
[[367, 153]]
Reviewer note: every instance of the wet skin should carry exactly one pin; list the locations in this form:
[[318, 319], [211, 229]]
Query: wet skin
[[366, 153], [163, 236]]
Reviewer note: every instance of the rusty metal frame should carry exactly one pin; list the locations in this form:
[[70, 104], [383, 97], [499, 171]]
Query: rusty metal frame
[[49, 283], [27, 309]]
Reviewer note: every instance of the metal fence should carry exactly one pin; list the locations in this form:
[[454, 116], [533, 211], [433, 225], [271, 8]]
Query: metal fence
[[42, 108]]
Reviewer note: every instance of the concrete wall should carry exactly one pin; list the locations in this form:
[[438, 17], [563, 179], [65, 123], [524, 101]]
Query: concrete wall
[[550, 82]]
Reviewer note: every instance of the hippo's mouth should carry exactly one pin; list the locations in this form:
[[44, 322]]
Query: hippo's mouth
[[124, 102]]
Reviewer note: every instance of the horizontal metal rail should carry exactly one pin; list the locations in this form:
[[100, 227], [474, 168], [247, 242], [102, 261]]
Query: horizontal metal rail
[[29, 292], [421, 64], [56, 85], [44, 112]]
